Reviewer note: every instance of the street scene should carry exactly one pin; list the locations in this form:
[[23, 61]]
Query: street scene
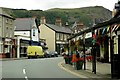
[[71, 40]]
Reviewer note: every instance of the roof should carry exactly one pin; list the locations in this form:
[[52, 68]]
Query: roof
[[59, 28], [3, 13], [24, 23]]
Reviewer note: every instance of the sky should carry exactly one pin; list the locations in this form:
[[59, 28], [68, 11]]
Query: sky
[[48, 4]]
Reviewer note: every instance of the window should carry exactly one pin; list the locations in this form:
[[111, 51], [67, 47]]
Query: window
[[1, 48], [68, 36], [10, 21], [0, 18], [6, 34], [65, 37], [11, 28], [57, 36], [61, 36], [33, 32], [10, 34], [6, 20], [7, 27]]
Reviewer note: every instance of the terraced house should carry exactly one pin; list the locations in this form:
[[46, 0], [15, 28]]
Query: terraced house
[[55, 36], [7, 43]]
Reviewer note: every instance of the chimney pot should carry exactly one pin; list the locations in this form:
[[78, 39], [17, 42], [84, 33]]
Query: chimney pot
[[43, 20], [58, 22]]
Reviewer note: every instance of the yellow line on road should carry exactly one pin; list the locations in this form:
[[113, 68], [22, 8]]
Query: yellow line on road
[[76, 74]]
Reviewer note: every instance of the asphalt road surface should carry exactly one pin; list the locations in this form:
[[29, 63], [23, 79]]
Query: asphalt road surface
[[34, 68]]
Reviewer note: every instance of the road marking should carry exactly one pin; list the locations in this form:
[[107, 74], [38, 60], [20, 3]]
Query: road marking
[[26, 77], [76, 74], [24, 72]]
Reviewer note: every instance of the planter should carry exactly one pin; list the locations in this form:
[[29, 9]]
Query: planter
[[79, 64]]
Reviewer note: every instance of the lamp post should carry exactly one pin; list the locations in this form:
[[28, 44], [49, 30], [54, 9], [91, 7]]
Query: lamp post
[[84, 51]]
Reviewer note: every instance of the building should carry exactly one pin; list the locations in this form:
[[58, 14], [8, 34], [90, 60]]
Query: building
[[78, 26], [55, 36], [26, 33], [7, 43]]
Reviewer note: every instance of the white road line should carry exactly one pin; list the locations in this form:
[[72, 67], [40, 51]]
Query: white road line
[[26, 77], [24, 72]]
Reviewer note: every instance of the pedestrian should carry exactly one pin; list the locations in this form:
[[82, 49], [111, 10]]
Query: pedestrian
[[74, 58], [77, 54]]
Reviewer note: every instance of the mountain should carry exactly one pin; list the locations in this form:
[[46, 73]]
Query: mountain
[[87, 15]]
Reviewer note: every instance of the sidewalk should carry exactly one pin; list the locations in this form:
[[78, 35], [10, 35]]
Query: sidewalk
[[6, 59], [103, 70]]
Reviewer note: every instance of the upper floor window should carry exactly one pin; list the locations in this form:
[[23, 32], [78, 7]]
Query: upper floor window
[[33, 32], [10, 34], [6, 34], [65, 37], [61, 36], [6, 20], [0, 18], [10, 21], [68, 36], [57, 36], [7, 27], [10, 28]]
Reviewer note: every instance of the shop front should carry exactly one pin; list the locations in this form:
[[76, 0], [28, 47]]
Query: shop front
[[7, 48]]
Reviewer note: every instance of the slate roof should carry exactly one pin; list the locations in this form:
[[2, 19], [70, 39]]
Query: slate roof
[[24, 23], [3, 13], [59, 28]]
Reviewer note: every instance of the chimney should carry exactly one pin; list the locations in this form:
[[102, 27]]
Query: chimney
[[43, 20], [58, 22]]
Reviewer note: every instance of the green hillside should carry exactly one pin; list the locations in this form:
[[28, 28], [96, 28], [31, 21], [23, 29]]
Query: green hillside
[[85, 14]]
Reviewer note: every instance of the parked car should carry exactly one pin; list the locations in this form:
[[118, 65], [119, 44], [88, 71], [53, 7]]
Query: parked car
[[53, 54], [46, 54]]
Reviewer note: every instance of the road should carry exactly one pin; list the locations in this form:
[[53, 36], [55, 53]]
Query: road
[[34, 68]]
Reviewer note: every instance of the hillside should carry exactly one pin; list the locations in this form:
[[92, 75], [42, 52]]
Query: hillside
[[85, 14]]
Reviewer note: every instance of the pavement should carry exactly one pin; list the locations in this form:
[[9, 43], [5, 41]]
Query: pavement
[[103, 70], [6, 59]]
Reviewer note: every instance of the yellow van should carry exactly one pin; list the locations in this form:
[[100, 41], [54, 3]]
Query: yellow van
[[34, 51]]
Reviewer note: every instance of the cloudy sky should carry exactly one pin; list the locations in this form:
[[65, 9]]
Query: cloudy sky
[[47, 4]]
